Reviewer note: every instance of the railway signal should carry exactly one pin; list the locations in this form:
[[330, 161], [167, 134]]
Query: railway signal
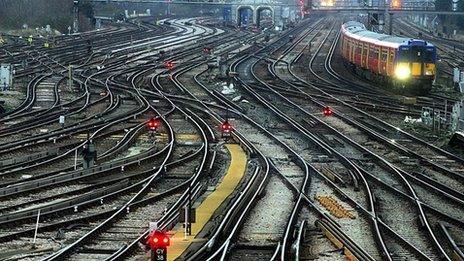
[[153, 124], [327, 111], [207, 50], [89, 154], [158, 243], [169, 65], [226, 129], [89, 46], [158, 239]]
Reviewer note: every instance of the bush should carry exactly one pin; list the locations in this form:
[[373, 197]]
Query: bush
[[36, 13]]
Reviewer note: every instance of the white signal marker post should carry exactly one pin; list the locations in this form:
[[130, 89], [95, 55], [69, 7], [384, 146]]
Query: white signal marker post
[[62, 120], [36, 227], [186, 222], [75, 160]]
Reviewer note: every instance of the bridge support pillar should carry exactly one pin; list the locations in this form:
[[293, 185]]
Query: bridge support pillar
[[390, 23], [255, 16], [168, 8], [76, 17]]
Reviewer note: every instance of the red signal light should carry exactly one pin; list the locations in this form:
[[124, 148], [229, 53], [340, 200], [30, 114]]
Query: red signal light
[[327, 111], [158, 239], [226, 126], [168, 64], [153, 124]]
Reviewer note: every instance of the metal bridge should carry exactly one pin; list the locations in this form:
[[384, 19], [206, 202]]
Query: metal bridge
[[199, 2], [374, 8], [408, 7], [342, 9], [238, 6]]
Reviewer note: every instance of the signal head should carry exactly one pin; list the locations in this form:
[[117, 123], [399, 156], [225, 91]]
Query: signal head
[[153, 124], [327, 111], [158, 239], [226, 126], [168, 64]]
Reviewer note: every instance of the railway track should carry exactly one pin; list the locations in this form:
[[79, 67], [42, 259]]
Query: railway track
[[340, 111], [377, 191]]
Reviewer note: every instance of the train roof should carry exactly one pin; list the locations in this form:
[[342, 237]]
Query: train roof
[[358, 31]]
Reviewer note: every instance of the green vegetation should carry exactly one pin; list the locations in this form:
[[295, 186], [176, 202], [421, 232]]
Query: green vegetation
[[35, 13]]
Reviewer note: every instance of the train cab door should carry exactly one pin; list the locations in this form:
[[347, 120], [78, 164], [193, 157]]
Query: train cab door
[[383, 61], [358, 53], [377, 54], [351, 54], [365, 56], [361, 54], [373, 59], [391, 61], [346, 46]]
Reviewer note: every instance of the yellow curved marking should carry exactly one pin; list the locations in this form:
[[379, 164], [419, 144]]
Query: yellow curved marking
[[205, 211]]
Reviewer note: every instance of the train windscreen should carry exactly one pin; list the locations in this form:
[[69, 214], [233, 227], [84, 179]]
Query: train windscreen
[[416, 54]]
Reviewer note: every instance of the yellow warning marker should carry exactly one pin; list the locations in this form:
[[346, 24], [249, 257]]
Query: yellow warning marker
[[179, 137], [188, 137], [204, 212]]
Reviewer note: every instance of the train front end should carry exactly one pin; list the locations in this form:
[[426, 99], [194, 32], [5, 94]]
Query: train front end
[[415, 65]]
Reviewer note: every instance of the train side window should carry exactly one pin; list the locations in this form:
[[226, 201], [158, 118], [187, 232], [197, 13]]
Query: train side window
[[372, 52], [384, 56], [428, 55]]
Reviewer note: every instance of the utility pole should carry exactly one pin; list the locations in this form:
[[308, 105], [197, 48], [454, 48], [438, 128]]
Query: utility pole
[[390, 24], [76, 16], [189, 210]]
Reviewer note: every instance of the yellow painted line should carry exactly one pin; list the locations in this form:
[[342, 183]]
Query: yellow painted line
[[113, 137], [188, 137], [205, 211], [180, 137]]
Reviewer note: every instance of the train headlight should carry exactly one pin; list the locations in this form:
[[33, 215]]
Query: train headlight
[[429, 69], [402, 72]]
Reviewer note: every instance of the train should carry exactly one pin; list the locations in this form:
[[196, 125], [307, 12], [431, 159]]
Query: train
[[406, 65]]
